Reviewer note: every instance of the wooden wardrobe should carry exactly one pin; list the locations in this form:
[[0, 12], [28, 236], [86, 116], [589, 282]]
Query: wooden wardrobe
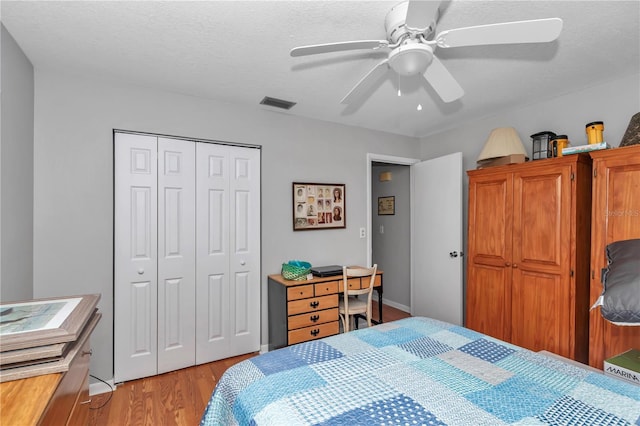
[[528, 254], [615, 217]]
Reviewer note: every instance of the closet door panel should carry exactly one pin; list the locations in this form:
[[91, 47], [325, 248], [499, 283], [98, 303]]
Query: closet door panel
[[228, 251], [245, 247], [176, 254], [212, 253], [135, 256]]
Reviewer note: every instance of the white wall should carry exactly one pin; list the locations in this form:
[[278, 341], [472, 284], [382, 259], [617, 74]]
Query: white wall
[[613, 103], [74, 119], [16, 173]]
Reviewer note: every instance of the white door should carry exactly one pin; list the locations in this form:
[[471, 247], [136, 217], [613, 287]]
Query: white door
[[135, 257], [176, 254], [437, 239], [228, 251]]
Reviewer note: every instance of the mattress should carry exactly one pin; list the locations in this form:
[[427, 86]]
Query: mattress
[[416, 371]]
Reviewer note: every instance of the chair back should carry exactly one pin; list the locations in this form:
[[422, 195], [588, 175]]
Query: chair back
[[358, 271]]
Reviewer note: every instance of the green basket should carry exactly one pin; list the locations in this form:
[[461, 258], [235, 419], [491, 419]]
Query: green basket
[[296, 270]]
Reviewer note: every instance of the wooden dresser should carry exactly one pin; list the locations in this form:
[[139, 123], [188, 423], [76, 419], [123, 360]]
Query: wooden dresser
[[615, 217], [300, 311], [528, 254], [56, 398]]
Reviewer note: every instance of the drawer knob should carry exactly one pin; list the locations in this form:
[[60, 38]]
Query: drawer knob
[[315, 332], [314, 304], [314, 318]]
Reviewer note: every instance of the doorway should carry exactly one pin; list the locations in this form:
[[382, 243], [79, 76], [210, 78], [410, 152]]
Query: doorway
[[434, 236]]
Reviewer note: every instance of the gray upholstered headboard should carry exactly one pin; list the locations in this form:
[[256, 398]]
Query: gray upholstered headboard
[[620, 300]]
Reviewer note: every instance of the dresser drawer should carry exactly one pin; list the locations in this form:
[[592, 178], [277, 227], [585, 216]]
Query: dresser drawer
[[323, 289], [313, 304], [311, 318], [356, 283], [313, 332], [300, 292]]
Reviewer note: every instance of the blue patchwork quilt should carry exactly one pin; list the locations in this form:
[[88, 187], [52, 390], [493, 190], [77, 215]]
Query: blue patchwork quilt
[[416, 371]]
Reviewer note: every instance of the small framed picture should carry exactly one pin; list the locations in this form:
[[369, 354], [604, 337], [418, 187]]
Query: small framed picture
[[386, 206], [318, 206]]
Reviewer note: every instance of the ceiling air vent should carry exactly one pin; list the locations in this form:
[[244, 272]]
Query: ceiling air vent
[[278, 103]]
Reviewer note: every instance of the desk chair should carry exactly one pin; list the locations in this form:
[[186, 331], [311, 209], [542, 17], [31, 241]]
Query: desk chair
[[350, 305]]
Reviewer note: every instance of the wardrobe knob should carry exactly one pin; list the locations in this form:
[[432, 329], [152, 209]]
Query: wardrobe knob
[[507, 264], [242, 262], [140, 271]]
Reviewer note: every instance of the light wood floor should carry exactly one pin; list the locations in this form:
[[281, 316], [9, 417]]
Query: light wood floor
[[175, 398]]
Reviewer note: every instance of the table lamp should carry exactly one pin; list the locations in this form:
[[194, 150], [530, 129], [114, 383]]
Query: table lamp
[[502, 142]]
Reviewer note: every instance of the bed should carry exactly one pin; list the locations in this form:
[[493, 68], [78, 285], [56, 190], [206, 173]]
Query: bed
[[416, 371]]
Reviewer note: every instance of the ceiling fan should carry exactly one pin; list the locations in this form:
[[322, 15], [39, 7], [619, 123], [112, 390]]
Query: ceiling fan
[[412, 42]]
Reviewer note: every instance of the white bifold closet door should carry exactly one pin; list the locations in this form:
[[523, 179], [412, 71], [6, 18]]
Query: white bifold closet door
[[228, 251], [187, 242]]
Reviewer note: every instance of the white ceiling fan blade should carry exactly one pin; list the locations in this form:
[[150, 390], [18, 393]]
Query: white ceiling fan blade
[[442, 81], [534, 31], [365, 83], [340, 46], [421, 13]]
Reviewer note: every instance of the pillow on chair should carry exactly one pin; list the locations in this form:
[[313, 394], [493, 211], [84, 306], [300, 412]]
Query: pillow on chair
[[620, 300]]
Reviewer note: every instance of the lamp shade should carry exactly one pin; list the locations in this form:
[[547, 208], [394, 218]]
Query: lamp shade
[[501, 142]]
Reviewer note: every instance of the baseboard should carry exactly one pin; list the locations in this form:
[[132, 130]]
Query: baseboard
[[264, 348], [98, 387], [393, 304]]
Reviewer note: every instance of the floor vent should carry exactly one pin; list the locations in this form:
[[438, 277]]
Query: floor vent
[[278, 103]]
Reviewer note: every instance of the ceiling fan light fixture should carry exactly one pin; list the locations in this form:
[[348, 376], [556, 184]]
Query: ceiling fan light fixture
[[411, 59]]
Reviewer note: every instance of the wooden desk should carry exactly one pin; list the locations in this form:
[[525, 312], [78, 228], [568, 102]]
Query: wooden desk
[[305, 310]]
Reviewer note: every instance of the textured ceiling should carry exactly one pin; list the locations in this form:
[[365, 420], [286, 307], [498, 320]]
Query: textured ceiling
[[238, 52]]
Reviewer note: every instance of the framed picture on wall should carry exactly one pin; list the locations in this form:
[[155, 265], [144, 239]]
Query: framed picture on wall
[[386, 206], [318, 206]]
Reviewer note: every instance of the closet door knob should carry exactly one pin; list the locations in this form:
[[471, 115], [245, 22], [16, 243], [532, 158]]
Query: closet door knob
[[507, 264], [140, 271], [242, 262]]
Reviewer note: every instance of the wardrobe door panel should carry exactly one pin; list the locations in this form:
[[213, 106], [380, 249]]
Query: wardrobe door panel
[[488, 292], [542, 219], [615, 217], [541, 310]]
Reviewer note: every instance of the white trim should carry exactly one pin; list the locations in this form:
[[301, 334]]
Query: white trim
[[98, 388], [371, 157], [399, 306], [264, 349]]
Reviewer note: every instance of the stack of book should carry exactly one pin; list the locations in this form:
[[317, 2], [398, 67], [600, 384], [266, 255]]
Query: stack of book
[[585, 148], [625, 366]]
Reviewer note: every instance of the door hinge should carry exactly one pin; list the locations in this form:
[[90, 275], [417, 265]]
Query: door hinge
[[573, 176], [571, 273], [595, 172]]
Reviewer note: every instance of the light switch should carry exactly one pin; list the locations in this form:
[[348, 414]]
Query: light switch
[[363, 232], [382, 229]]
